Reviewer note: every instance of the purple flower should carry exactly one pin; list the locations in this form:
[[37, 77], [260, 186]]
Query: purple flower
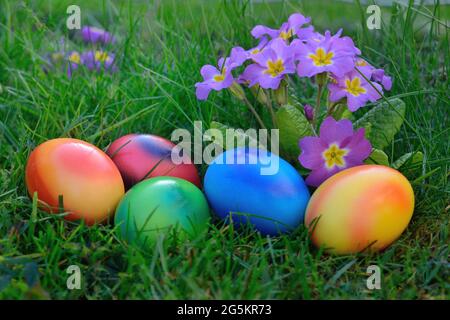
[[95, 60], [325, 54], [287, 30], [378, 75], [270, 65], [219, 78], [309, 112], [355, 88], [94, 35], [337, 148], [92, 60]]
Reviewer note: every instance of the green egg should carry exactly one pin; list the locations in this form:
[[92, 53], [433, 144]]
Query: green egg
[[157, 205]]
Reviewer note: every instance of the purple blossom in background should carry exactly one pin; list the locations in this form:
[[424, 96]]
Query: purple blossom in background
[[95, 60], [355, 88], [325, 54], [270, 65], [92, 60], [337, 148], [287, 30], [95, 35], [221, 77]]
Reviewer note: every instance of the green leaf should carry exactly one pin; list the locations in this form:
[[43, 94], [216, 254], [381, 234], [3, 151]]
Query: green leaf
[[410, 164], [384, 121], [238, 137], [410, 159], [293, 126], [378, 157]]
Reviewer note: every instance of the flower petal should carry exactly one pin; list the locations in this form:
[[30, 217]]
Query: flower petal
[[336, 92], [360, 148], [311, 152], [296, 20], [332, 131], [318, 176], [202, 91], [259, 31], [208, 72]]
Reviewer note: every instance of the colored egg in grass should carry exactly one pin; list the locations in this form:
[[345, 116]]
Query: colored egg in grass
[[256, 187], [156, 206], [364, 207], [76, 177], [142, 156]]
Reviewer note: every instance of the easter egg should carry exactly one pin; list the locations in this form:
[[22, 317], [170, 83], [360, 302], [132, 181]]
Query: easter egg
[[257, 187], [157, 205], [76, 177], [142, 156], [368, 206]]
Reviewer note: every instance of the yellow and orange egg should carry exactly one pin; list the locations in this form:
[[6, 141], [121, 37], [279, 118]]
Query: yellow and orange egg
[[361, 208], [76, 177]]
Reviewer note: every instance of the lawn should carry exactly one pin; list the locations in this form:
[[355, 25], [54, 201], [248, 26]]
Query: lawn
[[160, 49]]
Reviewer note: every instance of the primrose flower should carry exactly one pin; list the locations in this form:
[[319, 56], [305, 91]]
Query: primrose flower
[[94, 35], [221, 77], [259, 48], [337, 148], [355, 88], [325, 54], [94, 60], [288, 29], [270, 65], [378, 75]]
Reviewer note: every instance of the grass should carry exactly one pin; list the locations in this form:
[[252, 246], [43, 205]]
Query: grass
[[161, 47]]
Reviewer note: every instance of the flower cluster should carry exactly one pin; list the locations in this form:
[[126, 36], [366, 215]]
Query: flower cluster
[[296, 49], [95, 59]]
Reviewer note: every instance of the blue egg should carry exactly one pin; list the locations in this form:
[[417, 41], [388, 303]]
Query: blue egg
[[257, 187]]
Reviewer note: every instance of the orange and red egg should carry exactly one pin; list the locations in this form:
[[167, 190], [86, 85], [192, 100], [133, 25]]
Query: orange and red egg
[[77, 173], [364, 207]]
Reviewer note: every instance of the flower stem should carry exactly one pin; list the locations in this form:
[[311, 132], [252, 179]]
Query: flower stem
[[319, 96], [272, 113], [258, 118], [321, 80]]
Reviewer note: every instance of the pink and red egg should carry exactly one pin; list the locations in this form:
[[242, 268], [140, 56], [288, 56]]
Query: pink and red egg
[[142, 156]]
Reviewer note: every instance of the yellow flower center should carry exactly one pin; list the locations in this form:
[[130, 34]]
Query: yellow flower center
[[274, 68], [101, 56], [354, 86], [254, 51], [75, 58], [220, 77], [321, 58], [286, 35], [334, 156], [361, 63]]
